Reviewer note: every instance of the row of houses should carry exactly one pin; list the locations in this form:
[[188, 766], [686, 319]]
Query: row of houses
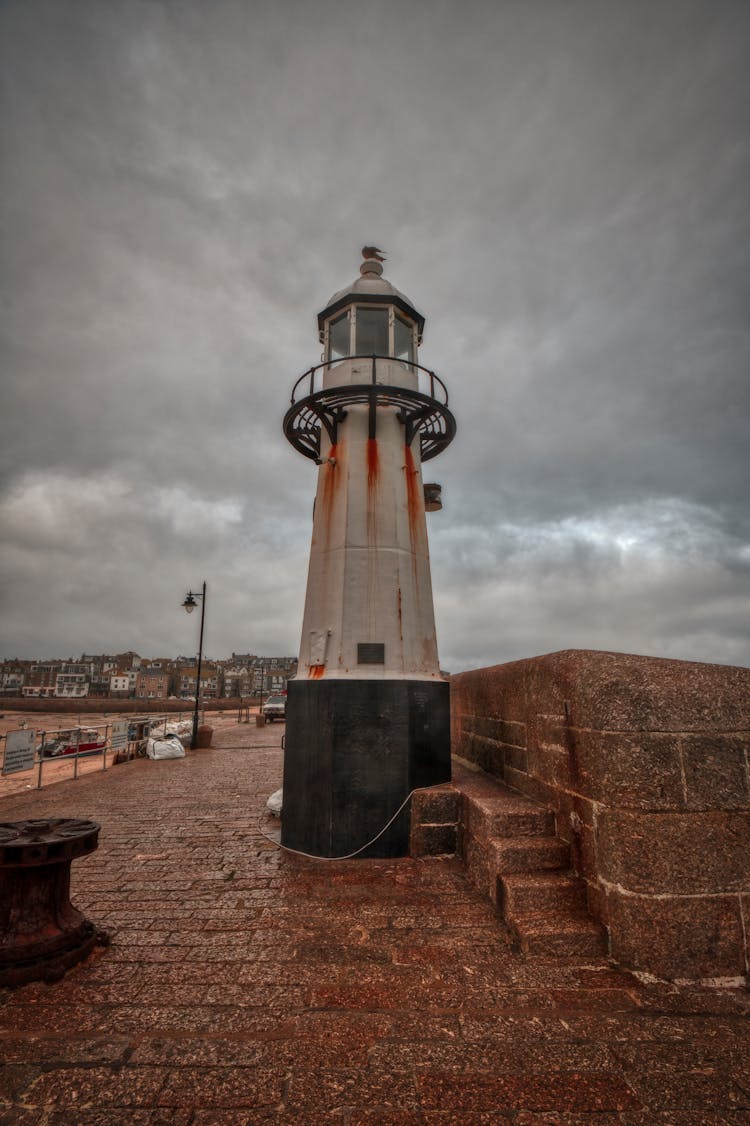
[[127, 675]]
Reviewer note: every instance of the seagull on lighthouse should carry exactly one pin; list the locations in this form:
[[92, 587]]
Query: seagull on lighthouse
[[373, 252]]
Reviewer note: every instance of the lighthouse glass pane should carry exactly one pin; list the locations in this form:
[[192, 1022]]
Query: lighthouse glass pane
[[372, 332], [403, 340], [338, 337]]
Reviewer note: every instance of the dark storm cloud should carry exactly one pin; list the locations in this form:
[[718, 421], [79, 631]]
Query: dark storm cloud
[[561, 189]]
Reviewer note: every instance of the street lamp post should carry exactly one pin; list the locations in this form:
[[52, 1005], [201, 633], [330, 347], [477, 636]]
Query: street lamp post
[[189, 605]]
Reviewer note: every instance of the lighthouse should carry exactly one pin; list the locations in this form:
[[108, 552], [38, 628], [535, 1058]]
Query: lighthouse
[[368, 711]]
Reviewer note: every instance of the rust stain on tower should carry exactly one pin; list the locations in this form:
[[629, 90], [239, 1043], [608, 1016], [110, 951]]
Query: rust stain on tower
[[328, 492], [373, 465], [414, 499]]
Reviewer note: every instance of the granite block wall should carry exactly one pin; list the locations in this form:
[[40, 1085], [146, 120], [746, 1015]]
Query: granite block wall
[[645, 764]]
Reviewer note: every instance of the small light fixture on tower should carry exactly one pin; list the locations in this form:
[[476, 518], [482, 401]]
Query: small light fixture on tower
[[433, 497]]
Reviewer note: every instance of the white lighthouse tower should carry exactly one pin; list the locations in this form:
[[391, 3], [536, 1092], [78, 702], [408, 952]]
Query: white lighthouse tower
[[368, 713]]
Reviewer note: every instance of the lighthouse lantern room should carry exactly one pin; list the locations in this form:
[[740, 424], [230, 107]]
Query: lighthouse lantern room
[[368, 712]]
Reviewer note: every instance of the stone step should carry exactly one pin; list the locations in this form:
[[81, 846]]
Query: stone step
[[434, 819], [528, 854], [522, 892], [558, 934], [504, 815], [508, 846]]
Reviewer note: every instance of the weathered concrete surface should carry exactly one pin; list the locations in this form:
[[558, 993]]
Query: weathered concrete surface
[[645, 763], [245, 985]]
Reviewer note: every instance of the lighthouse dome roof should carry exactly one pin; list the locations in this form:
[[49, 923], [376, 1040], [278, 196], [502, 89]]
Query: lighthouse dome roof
[[371, 288]]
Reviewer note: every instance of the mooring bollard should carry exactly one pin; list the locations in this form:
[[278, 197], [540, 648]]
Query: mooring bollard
[[41, 933]]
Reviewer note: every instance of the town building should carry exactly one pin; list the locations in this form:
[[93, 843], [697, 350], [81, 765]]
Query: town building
[[152, 683], [129, 675], [72, 684], [41, 679], [237, 681], [12, 678], [187, 679]]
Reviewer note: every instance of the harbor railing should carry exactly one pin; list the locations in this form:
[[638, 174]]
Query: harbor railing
[[28, 750]]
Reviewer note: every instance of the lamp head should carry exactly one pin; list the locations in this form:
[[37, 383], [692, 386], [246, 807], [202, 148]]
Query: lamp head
[[189, 604]]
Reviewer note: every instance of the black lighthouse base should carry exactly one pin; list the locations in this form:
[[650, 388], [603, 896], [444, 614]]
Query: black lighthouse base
[[354, 750]]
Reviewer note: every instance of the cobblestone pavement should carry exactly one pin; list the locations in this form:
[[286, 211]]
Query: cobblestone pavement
[[246, 985]]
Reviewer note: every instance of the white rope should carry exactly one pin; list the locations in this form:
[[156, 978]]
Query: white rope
[[349, 855]]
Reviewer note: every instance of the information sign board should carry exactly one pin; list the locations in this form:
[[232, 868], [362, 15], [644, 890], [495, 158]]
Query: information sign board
[[19, 751], [120, 735]]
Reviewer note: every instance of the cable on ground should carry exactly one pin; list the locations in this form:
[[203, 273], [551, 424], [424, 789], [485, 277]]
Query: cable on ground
[[349, 855]]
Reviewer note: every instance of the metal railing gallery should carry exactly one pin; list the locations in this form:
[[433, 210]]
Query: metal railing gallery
[[425, 376]]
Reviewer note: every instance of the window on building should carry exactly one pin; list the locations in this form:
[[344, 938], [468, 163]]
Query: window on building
[[372, 332], [338, 337], [403, 339], [379, 331]]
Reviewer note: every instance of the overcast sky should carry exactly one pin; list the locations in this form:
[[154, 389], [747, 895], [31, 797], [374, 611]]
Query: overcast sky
[[561, 187]]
